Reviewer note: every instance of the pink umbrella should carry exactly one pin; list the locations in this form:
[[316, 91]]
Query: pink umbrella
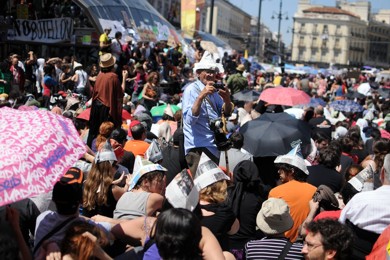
[[284, 96], [37, 148]]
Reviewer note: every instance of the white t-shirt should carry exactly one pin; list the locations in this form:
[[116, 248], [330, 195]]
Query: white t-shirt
[[82, 79]]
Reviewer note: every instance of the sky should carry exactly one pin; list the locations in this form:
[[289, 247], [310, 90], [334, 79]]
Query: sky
[[289, 7]]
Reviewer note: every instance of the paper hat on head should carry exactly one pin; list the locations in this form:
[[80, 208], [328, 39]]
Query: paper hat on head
[[208, 173], [181, 191], [141, 167], [274, 217], [77, 65], [168, 110], [105, 154], [154, 153], [294, 158], [206, 63]]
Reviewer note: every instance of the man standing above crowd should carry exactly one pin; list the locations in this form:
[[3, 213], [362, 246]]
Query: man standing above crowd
[[203, 103], [104, 41], [237, 82]]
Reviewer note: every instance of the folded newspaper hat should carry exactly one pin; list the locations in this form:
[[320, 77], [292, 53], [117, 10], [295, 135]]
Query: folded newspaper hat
[[359, 179], [168, 110], [208, 173], [181, 191], [154, 153], [294, 158], [141, 167], [106, 154]]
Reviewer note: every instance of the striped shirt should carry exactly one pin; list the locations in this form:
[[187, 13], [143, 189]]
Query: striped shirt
[[271, 248]]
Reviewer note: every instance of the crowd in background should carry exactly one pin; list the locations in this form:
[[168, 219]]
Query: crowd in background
[[264, 208]]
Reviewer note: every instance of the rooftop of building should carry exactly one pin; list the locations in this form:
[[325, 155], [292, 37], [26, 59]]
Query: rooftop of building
[[329, 10]]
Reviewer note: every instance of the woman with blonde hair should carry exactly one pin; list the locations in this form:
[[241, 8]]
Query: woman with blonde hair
[[150, 92], [101, 192], [218, 216]]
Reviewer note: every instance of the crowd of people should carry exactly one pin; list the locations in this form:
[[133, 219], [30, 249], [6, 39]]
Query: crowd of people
[[326, 201]]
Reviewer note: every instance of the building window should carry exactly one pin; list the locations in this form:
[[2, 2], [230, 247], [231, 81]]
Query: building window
[[302, 27], [325, 31]]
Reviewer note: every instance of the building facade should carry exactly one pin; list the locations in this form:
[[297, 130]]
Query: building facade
[[230, 23], [325, 36]]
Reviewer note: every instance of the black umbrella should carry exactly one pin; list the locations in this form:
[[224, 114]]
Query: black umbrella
[[354, 94], [247, 95], [274, 134], [384, 92]]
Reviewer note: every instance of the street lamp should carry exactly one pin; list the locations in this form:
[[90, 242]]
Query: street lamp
[[280, 18], [258, 31]]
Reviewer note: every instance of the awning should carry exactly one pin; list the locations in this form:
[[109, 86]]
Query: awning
[[127, 15]]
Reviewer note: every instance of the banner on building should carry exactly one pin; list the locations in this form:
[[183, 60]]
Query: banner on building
[[45, 30], [188, 17]]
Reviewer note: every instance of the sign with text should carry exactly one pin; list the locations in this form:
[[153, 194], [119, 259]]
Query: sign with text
[[46, 30]]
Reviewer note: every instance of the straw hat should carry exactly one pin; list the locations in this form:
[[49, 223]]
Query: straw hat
[[241, 68], [107, 60], [274, 217]]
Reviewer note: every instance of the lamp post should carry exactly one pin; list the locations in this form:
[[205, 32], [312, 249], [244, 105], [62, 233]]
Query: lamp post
[[280, 17], [257, 53], [211, 17]]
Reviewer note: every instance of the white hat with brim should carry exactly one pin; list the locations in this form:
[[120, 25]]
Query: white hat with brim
[[274, 217], [207, 63]]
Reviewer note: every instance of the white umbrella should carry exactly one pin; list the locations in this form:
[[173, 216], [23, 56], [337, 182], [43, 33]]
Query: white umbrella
[[364, 89], [295, 112]]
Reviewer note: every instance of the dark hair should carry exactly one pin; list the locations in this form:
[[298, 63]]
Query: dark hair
[[137, 131], [48, 69], [297, 173], [346, 144], [119, 135], [319, 137], [80, 123], [150, 176], [329, 157], [118, 34], [237, 140], [8, 247], [167, 117], [177, 235], [335, 236]]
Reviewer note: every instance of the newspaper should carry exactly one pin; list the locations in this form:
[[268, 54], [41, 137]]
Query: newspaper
[[208, 173], [181, 192]]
